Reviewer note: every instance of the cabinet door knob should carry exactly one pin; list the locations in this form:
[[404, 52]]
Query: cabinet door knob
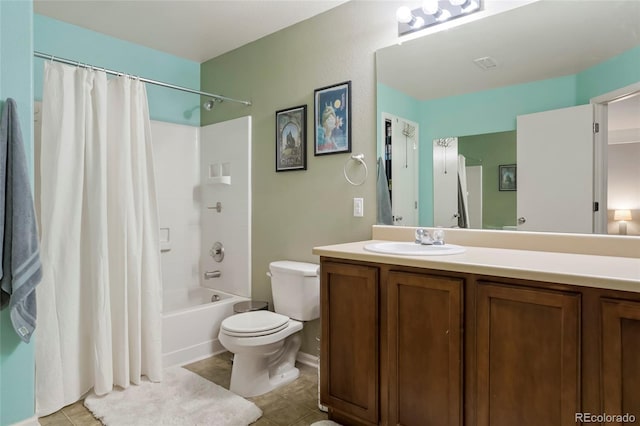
[[522, 220]]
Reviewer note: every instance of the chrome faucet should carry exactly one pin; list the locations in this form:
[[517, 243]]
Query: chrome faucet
[[423, 236]]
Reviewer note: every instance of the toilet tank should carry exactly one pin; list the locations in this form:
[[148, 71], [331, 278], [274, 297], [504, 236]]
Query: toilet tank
[[295, 287]]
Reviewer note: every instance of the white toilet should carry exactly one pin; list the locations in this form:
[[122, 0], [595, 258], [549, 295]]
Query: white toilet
[[265, 343]]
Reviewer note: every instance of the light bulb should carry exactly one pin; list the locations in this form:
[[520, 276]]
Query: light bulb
[[470, 6], [430, 7], [417, 23], [404, 15], [443, 16]]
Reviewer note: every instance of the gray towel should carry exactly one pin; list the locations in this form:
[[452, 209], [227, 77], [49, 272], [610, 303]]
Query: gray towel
[[384, 201], [21, 269]]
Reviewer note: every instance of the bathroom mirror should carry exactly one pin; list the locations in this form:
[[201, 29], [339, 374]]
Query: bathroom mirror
[[472, 81]]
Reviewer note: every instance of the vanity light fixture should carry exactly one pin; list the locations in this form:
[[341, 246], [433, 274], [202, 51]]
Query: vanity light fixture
[[433, 12], [405, 16], [622, 216]]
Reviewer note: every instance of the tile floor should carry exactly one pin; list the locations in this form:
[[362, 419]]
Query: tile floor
[[295, 404]]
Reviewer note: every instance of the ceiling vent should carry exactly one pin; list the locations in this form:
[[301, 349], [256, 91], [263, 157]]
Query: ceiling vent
[[486, 63]]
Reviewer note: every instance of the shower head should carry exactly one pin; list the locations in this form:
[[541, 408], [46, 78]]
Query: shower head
[[211, 103]]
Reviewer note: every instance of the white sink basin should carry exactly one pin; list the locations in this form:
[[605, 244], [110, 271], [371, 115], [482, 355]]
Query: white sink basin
[[413, 249]]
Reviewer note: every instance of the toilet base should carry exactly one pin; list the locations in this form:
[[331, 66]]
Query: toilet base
[[254, 375]]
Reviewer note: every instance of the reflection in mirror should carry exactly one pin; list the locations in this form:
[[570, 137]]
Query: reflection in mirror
[[547, 57], [401, 168], [489, 205]]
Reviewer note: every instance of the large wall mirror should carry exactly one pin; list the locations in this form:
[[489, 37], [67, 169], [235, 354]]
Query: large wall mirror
[[491, 124]]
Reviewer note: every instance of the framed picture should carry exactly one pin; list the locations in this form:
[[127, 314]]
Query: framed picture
[[332, 119], [291, 139], [508, 177]]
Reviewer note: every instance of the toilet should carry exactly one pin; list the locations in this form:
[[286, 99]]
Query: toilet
[[265, 343]]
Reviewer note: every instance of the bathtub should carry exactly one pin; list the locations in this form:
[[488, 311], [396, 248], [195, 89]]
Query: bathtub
[[191, 321]]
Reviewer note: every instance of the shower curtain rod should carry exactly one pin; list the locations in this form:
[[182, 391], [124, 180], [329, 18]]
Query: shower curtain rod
[[146, 80]]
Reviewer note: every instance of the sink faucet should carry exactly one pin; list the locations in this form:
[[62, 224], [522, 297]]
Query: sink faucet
[[423, 236]]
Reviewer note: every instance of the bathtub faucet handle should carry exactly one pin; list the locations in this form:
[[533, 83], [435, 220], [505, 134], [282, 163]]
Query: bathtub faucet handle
[[212, 274]]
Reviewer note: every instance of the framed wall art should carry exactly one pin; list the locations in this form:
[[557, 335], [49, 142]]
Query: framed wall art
[[332, 119], [291, 139], [508, 177]]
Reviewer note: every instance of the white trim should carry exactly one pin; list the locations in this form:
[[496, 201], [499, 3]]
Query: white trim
[[307, 359], [600, 167], [616, 94], [32, 421]]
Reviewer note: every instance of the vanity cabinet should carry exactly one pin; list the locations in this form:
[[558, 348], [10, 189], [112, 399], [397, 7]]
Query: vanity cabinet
[[410, 346], [349, 341], [621, 356], [528, 356], [424, 341]]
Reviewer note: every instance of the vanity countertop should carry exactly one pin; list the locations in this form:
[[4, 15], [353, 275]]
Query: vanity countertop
[[607, 272]]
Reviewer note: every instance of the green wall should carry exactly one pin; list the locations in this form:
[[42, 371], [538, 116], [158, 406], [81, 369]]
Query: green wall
[[490, 150], [16, 358], [296, 211], [68, 41]]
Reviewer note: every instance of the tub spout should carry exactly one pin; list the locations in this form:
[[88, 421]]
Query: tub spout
[[212, 274]]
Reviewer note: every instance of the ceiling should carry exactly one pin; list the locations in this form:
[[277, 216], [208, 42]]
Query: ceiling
[[190, 29]]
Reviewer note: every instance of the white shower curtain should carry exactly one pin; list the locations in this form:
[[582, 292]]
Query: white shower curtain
[[99, 303]]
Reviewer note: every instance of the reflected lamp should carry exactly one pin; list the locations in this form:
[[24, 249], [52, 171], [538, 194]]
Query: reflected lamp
[[622, 216]]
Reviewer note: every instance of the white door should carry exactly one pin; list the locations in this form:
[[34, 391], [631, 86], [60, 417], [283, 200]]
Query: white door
[[555, 170], [445, 182], [404, 170], [474, 196]]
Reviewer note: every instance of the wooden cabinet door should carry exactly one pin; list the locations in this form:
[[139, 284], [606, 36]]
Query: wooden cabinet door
[[349, 342], [424, 332], [621, 357], [527, 356]]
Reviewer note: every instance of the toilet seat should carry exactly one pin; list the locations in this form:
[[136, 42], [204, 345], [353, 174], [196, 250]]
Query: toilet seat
[[254, 324]]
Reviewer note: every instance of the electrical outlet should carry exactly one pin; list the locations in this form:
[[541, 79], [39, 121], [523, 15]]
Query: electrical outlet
[[358, 207]]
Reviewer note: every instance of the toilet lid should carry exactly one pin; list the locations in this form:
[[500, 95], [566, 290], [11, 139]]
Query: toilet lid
[[255, 323]]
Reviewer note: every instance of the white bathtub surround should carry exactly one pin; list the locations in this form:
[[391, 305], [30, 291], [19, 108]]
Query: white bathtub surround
[[183, 398], [189, 228], [191, 322], [227, 145], [100, 299], [176, 150]]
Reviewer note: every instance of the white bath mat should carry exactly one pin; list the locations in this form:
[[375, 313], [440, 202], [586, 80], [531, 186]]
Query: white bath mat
[[326, 423], [183, 398]]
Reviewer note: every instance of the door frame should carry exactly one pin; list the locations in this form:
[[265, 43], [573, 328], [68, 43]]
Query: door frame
[[395, 119], [600, 157]]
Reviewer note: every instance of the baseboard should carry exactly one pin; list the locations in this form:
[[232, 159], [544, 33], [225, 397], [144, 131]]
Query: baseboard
[[33, 421], [307, 359]]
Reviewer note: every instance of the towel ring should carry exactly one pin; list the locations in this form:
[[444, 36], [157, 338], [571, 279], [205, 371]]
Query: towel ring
[[359, 158]]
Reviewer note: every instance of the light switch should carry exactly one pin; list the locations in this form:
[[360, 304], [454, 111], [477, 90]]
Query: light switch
[[358, 207]]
